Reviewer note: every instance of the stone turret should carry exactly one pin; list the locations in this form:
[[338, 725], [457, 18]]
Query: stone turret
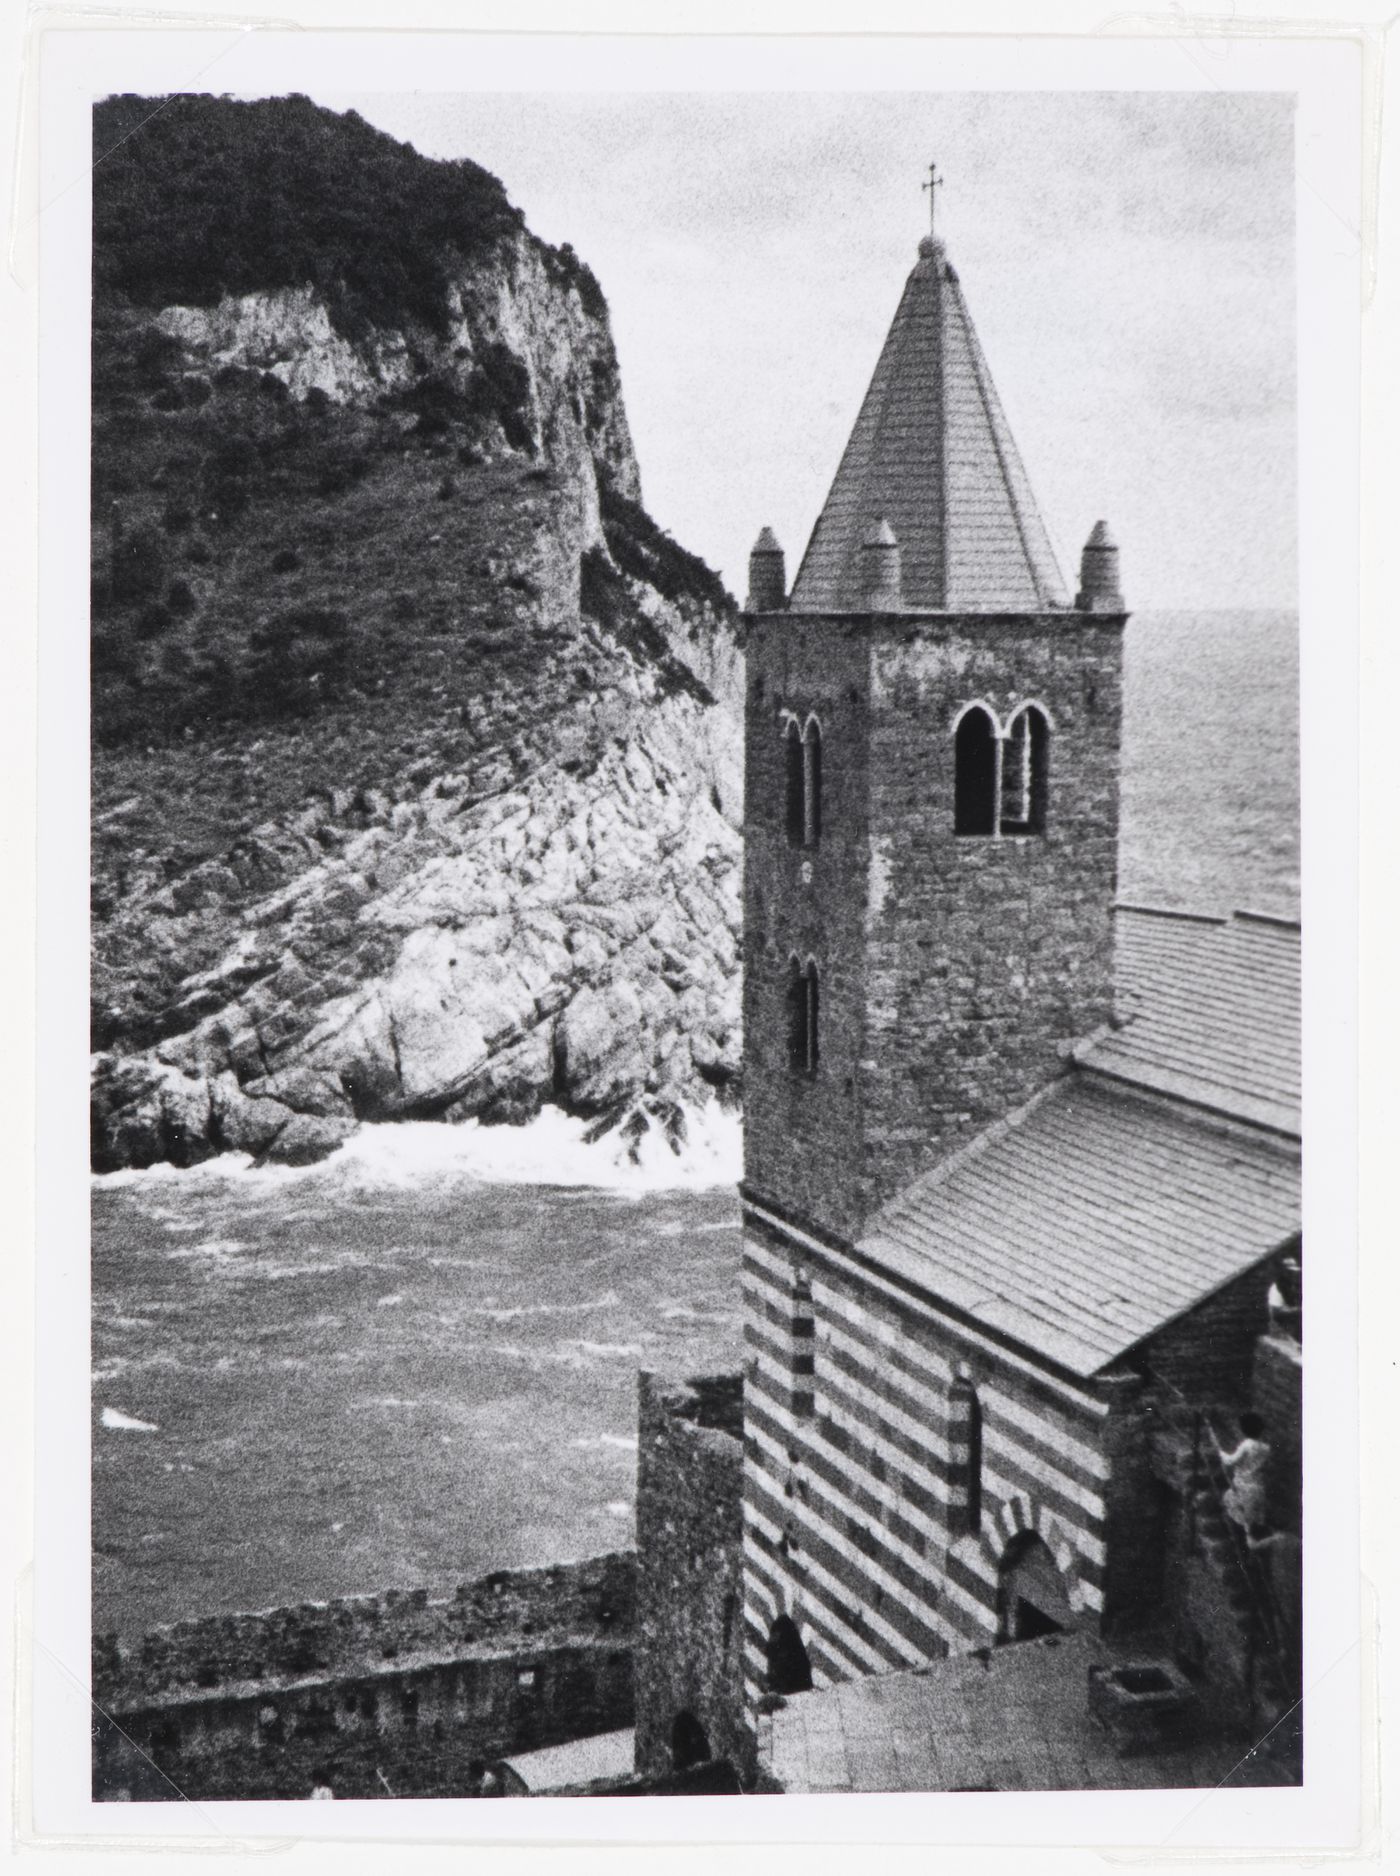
[[1099, 590], [767, 575], [880, 577]]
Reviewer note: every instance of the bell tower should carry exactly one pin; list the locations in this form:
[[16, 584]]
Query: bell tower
[[931, 807]]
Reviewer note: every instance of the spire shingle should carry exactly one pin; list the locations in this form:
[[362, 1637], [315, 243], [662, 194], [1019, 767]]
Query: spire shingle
[[932, 454]]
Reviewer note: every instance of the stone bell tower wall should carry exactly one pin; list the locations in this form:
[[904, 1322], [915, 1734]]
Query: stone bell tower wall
[[985, 957], [954, 971], [801, 1135]]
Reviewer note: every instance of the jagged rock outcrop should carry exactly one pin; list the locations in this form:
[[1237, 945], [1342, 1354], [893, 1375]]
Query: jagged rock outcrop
[[571, 938], [417, 774]]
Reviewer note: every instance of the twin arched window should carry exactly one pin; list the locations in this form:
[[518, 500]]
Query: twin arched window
[[1001, 782], [803, 748], [803, 1017]]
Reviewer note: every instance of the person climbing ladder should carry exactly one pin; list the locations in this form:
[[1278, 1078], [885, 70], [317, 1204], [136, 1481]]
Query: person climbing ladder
[[1245, 1501]]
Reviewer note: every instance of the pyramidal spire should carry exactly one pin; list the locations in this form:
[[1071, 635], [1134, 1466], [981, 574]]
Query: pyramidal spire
[[932, 456]]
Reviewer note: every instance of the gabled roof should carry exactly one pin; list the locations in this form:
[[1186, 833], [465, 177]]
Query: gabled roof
[[932, 455], [1090, 1220], [1164, 1167], [1210, 1013]]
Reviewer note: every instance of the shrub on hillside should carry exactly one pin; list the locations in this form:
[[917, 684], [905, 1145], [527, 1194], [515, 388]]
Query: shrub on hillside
[[297, 661], [601, 594], [648, 553], [139, 562], [154, 621], [581, 276], [114, 652], [231, 475], [604, 597], [155, 358], [499, 388]]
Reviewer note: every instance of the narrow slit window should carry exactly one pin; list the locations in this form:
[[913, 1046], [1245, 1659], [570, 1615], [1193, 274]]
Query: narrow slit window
[[803, 1017], [812, 785], [796, 786], [975, 774]]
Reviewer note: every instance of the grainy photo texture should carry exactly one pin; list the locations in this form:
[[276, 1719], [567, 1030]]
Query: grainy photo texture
[[695, 980]]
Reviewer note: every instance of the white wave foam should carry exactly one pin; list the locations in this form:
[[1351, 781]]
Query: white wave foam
[[209, 1247], [124, 1423], [509, 1312], [549, 1150]]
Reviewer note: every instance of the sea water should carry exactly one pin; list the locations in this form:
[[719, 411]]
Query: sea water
[[417, 1361]]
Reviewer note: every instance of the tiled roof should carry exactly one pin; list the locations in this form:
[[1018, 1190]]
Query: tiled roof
[[577, 1762], [1210, 1012], [932, 454], [1090, 1220]]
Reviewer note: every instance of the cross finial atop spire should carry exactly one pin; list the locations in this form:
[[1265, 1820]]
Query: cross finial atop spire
[[932, 186]]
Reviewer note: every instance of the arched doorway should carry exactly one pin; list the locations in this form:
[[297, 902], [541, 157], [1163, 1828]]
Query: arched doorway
[[690, 1744], [789, 1670], [1032, 1596]]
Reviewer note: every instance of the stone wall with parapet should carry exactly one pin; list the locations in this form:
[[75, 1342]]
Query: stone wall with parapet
[[400, 1694], [690, 1596]]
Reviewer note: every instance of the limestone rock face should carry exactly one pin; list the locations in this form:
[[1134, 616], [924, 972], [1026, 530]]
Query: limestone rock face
[[573, 404], [287, 331], [573, 938]]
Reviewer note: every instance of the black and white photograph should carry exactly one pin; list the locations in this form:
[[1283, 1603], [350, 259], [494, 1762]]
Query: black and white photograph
[[696, 934]]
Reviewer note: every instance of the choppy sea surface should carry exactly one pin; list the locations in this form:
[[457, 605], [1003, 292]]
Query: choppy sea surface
[[1210, 762], [417, 1361]]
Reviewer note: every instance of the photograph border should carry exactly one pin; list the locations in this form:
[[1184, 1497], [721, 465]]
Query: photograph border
[[1327, 77]]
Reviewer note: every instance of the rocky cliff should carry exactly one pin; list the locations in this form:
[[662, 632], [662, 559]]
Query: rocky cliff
[[416, 762]]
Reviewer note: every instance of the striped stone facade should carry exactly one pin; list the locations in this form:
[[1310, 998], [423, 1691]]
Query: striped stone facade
[[856, 1492]]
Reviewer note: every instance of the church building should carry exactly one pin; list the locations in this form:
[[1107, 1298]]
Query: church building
[[1022, 1170]]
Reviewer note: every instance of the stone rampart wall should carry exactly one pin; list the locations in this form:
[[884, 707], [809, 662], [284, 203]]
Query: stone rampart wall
[[399, 1694]]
